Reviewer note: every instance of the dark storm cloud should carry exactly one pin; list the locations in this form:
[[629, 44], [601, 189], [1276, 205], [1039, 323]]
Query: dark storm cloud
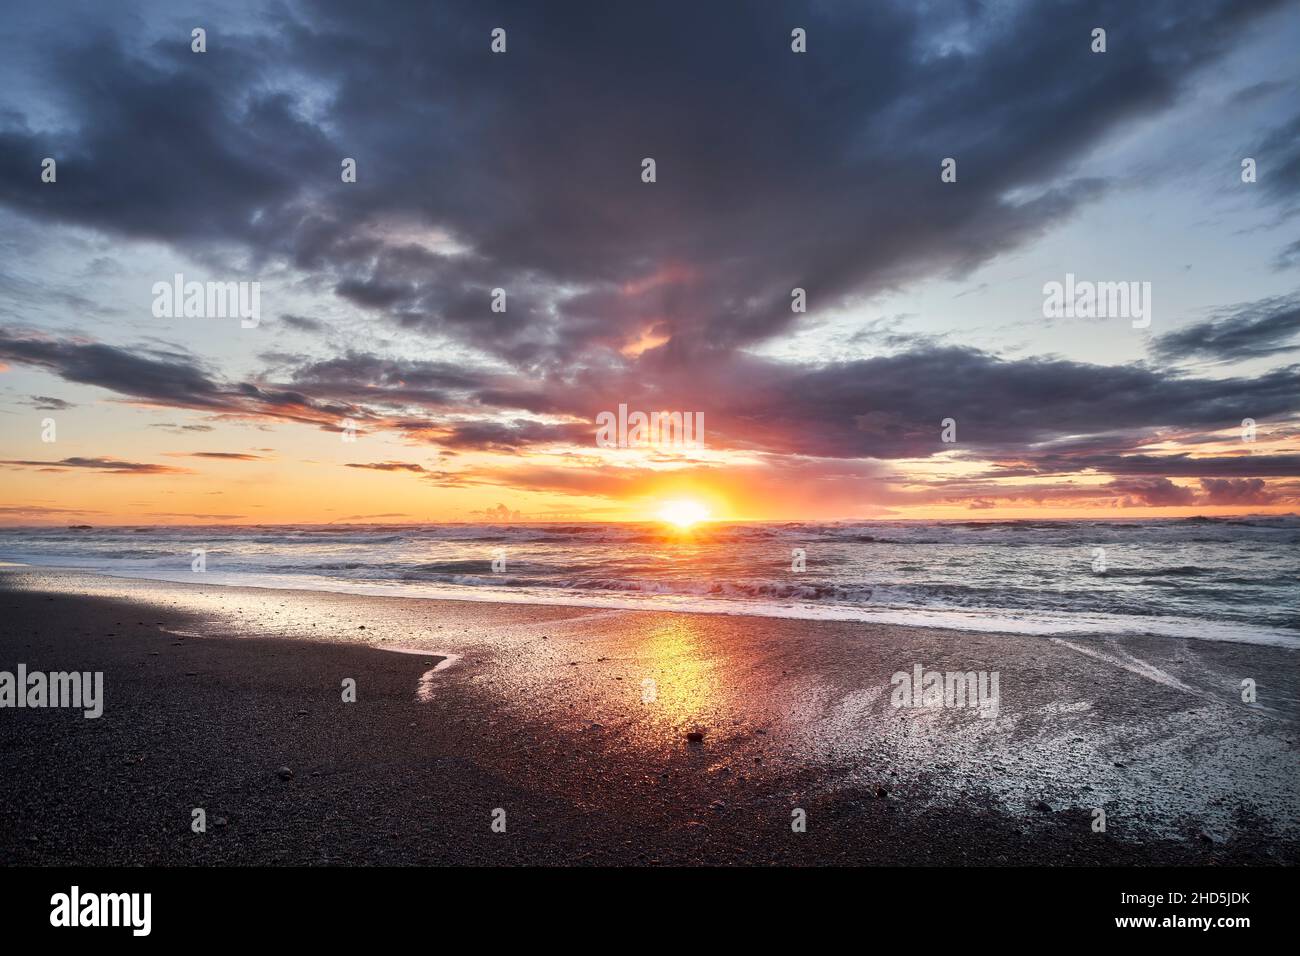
[[1255, 330], [556, 128], [529, 162], [164, 147]]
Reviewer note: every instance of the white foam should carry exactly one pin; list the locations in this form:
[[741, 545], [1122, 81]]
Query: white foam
[[986, 620], [424, 687]]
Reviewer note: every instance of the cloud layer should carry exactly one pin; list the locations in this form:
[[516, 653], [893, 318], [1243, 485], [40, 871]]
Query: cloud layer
[[521, 172]]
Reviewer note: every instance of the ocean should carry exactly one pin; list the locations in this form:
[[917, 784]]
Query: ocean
[[1235, 579]]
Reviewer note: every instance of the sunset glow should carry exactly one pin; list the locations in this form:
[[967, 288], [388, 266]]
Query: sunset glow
[[422, 359], [682, 435], [683, 513]]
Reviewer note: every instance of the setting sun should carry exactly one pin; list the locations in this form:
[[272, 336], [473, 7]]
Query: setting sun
[[683, 513]]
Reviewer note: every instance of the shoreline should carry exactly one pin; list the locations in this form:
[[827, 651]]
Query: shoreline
[[973, 622], [544, 714]]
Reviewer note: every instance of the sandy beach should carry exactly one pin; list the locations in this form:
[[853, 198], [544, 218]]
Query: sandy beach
[[577, 723]]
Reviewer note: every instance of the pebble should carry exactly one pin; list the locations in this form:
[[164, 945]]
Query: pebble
[[284, 773]]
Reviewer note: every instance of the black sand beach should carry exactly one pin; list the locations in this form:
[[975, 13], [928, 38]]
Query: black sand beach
[[543, 712]]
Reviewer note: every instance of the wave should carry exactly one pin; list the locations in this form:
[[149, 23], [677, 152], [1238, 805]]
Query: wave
[[1184, 571], [1204, 571]]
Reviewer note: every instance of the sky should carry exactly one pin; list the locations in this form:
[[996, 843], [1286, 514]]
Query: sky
[[925, 378]]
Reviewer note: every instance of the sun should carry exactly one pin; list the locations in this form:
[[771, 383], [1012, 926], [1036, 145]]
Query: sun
[[683, 512]]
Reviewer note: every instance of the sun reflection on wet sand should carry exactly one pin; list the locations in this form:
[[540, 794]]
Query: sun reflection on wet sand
[[682, 689]]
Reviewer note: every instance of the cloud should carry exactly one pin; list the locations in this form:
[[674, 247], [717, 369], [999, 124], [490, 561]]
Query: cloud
[[166, 378], [892, 406], [1237, 491], [42, 510], [113, 465], [154, 375], [514, 435], [1176, 464], [499, 513], [522, 171], [47, 404], [1255, 330], [220, 455], [200, 516], [180, 429], [1152, 492], [1289, 257], [387, 465], [886, 407], [302, 323], [1278, 156]]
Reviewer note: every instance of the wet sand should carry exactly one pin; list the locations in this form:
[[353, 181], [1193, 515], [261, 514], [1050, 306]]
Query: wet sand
[[575, 723]]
